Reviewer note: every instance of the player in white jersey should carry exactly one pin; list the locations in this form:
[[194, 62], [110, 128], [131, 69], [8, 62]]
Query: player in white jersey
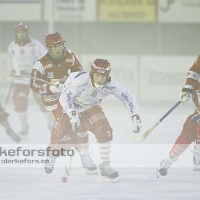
[[80, 108], [24, 51]]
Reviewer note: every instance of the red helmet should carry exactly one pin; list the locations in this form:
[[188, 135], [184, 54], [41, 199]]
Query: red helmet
[[53, 38], [100, 66], [21, 26]]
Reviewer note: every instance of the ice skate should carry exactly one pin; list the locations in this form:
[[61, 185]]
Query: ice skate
[[13, 135], [24, 131], [88, 164], [49, 165], [196, 158], [109, 173], [164, 166]]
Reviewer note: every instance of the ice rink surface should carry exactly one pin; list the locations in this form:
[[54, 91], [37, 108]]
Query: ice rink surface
[[136, 163]]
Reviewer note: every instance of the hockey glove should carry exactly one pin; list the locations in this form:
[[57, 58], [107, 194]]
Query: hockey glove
[[56, 89], [185, 96], [137, 125], [74, 120]]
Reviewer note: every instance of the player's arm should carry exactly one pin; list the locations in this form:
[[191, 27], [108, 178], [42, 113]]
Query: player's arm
[[68, 94], [76, 66], [130, 102], [191, 80], [10, 54], [37, 86], [70, 91]]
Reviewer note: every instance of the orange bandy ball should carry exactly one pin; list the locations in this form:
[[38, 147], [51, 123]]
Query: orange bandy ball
[[64, 179]]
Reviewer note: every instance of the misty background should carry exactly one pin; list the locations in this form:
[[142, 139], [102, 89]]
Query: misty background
[[151, 44]]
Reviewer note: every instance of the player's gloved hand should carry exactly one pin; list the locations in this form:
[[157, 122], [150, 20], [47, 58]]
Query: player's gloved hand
[[74, 120], [136, 123], [56, 88], [185, 96]]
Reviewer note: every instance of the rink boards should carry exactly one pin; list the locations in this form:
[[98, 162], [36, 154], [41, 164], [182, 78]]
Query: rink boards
[[148, 77]]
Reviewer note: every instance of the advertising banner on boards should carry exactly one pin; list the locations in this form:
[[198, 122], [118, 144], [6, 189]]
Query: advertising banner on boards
[[76, 10], [163, 77], [127, 11]]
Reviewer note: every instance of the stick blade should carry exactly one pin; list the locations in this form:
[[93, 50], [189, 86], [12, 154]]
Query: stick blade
[[68, 166], [137, 138], [141, 138]]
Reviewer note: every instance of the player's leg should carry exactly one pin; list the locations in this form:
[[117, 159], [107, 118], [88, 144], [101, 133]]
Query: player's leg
[[83, 149], [82, 140], [110, 174], [5, 123], [196, 152], [60, 139], [186, 137], [97, 123], [48, 115], [20, 95]]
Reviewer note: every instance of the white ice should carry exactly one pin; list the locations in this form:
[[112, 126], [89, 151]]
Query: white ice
[[136, 163]]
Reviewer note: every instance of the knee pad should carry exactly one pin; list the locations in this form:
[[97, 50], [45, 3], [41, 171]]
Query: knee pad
[[21, 103], [104, 134]]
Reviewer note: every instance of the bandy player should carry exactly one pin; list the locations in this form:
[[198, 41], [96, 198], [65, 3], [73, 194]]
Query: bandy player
[[191, 128], [80, 101], [55, 66], [24, 51]]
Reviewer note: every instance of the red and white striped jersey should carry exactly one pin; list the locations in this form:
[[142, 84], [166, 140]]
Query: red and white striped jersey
[[52, 70], [192, 77]]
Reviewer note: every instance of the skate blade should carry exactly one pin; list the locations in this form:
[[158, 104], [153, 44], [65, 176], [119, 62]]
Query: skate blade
[[111, 180], [91, 172]]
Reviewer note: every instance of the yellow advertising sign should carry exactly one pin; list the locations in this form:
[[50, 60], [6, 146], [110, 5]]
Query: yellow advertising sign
[[127, 10]]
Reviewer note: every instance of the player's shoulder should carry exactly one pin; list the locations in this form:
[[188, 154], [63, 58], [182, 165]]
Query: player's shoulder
[[38, 65], [80, 75], [197, 61], [68, 51], [69, 56], [44, 58], [34, 41], [196, 65], [113, 85], [112, 82], [11, 44]]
